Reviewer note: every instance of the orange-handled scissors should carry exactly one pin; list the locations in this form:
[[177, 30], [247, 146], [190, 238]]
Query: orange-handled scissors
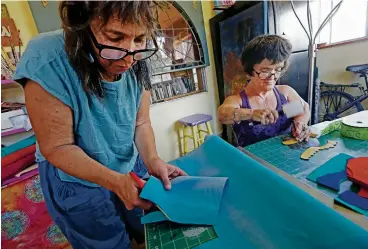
[[140, 183], [138, 180]]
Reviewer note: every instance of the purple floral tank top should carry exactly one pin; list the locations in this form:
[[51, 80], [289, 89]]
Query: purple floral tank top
[[249, 134]]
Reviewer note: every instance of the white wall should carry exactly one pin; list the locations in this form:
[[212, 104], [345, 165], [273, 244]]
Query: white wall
[[332, 62], [165, 115]]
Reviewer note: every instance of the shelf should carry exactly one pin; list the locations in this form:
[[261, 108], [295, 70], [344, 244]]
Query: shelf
[[4, 82], [12, 132], [176, 97]]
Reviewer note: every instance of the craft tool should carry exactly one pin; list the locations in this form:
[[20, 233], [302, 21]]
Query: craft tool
[[141, 184]]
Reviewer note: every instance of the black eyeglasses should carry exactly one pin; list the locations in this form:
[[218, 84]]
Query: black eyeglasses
[[114, 53], [267, 75]]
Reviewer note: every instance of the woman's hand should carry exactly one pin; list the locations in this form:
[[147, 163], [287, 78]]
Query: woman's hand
[[300, 131], [265, 116], [164, 171], [128, 191]]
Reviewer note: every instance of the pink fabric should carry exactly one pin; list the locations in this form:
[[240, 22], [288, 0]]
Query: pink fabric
[[25, 222], [12, 169]]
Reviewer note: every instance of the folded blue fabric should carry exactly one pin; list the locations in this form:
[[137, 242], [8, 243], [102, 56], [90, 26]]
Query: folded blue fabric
[[191, 200], [153, 217]]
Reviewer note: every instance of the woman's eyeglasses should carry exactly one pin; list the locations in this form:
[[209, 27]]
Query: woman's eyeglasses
[[114, 53], [268, 75]]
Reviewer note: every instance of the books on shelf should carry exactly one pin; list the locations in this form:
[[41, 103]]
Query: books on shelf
[[172, 88]]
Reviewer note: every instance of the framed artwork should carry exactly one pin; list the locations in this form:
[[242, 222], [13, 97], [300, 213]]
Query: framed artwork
[[235, 33]]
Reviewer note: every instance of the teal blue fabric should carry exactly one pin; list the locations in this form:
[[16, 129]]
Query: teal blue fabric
[[191, 200], [260, 209], [153, 217], [18, 145], [103, 128], [353, 207], [334, 165]]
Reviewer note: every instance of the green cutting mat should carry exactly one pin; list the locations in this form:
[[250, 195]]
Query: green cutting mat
[[168, 235], [288, 160]]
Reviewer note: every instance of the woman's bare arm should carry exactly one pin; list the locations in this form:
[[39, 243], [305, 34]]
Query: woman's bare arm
[[232, 104], [52, 122]]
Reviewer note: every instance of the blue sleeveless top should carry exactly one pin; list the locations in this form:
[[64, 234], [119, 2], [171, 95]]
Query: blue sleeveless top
[[247, 134], [103, 128]]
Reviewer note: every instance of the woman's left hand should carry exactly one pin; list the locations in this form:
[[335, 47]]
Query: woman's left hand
[[300, 131], [164, 171]]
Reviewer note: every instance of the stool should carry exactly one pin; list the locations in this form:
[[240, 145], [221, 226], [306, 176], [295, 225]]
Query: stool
[[192, 124]]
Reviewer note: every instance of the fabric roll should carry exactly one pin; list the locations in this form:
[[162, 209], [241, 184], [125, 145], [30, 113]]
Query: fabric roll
[[18, 155]]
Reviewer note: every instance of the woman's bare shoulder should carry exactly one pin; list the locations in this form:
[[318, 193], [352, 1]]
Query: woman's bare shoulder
[[285, 89], [233, 99]]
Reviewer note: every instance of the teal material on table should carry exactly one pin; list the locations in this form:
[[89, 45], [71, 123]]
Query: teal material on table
[[260, 209], [191, 200], [334, 165], [274, 152], [288, 160]]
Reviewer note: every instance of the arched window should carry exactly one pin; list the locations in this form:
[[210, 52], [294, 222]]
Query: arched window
[[177, 66]]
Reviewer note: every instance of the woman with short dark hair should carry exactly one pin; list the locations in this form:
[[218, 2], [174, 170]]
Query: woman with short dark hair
[[88, 99], [265, 60]]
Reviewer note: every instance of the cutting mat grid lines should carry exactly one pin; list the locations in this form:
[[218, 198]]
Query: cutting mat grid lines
[[288, 160], [167, 235]]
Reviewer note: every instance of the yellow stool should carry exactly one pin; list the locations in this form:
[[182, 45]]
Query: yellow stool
[[191, 129]]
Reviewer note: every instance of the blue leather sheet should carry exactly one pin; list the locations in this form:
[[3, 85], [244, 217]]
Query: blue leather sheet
[[332, 180], [259, 209], [354, 199], [191, 200], [335, 164]]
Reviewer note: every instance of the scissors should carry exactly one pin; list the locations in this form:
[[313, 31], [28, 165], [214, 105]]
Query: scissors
[[141, 184]]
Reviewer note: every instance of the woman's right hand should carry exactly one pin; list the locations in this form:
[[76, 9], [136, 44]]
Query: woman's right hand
[[265, 116], [128, 191]]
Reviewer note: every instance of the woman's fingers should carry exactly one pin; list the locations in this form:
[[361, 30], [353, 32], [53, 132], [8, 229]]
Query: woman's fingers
[[275, 115]]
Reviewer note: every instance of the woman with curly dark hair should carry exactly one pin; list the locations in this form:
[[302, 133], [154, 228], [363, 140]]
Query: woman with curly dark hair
[[88, 99], [265, 59]]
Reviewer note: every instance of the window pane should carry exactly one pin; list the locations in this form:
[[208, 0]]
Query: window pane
[[178, 45], [350, 21], [320, 10]]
